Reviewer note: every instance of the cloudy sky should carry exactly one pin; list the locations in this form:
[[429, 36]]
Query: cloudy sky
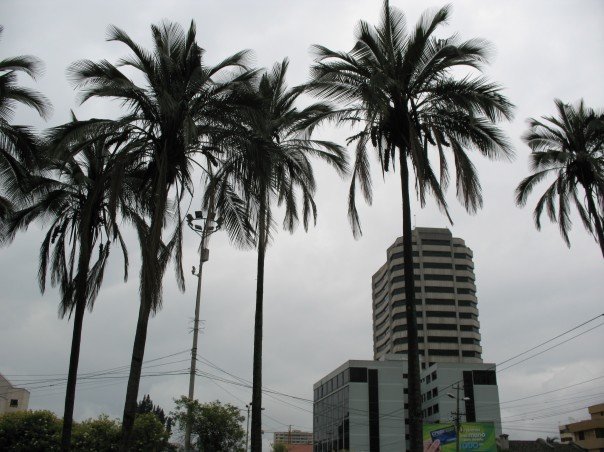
[[531, 287]]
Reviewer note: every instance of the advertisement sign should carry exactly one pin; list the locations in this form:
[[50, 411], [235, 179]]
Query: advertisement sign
[[473, 436]]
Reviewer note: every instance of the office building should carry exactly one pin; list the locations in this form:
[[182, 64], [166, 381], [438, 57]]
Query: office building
[[588, 434], [360, 406], [292, 437], [445, 291], [478, 386], [11, 398]]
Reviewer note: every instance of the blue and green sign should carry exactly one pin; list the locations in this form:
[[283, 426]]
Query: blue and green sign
[[473, 437]]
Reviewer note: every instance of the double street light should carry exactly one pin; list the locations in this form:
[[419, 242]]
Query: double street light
[[204, 227]]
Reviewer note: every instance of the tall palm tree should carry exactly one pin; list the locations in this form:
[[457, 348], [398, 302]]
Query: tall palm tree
[[570, 147], [169, 119], [79, 194], [403, 87], [270, 163], [18, 144]]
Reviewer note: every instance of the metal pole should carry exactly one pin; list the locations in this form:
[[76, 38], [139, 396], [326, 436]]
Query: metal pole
[[457, 422], [247, 429], [204, 237]]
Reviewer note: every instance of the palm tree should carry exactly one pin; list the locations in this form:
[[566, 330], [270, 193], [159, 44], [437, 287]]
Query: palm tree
[[18, 144], [571, 147], [169, 120], [403, 86], [270, 163], [79, 194]]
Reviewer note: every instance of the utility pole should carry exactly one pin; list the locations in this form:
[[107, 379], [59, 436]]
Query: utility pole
[[207, 229], [247, 429], [457, 415], [289, 435]]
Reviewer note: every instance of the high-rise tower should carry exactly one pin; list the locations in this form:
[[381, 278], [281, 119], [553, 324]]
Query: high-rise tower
[[447, 315]]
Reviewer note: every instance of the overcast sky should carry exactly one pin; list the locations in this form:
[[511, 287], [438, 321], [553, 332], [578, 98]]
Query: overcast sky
[[531, 287]]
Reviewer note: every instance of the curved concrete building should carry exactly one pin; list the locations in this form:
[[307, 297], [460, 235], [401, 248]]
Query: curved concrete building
[[447, 312]]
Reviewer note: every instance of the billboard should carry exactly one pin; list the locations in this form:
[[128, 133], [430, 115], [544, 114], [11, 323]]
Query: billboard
[[473, 436]]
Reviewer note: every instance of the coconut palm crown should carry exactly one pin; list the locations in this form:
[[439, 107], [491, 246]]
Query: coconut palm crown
[[269, 165], [174, 116], [79, 193], [569, 147], [18, 144], [402, 86]]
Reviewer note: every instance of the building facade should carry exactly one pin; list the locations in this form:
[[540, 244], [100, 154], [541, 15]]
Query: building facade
[[293, 437], [11, 398], [477, 383], [588, 434], [361, 406], [445, 290]]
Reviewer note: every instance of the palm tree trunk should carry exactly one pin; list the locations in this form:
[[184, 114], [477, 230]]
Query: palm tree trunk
[[414, 394], [74, 358], [136, 365], [150, 286], [256, 436], [597, 223]]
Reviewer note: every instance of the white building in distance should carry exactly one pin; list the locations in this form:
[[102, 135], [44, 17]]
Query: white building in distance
[[12, 399]]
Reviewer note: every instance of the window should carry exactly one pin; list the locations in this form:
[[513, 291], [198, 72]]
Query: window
[[435, 289], [465, 291], [14, 403], [436, 242], [467, 328], [405, 376], [444, 339], [443, 326], [428, 380], [396, 256], [437, 253], [438, 277], [463, 267], [405, 391], [358, 375], [470, 354], [439, 302], [435, 352], [434, 375], [467, 315], [437, 265], [462, 256], [581, 436], [600, 433], [469, 340], [435, 391], [435, 409], [441, 314], [467, 303], [484, 377]]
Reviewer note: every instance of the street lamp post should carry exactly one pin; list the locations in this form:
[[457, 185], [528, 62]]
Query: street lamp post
[[209, 226], [457, 414]]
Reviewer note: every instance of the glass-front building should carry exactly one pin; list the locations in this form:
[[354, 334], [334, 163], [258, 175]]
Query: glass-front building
[[361, 406]]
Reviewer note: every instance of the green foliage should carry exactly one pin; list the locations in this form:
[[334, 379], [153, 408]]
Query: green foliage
[[215, 427], [30, 431], [146, 406], [279, 447], [101, 435], [149, 434], [40, 431], [569, 148]]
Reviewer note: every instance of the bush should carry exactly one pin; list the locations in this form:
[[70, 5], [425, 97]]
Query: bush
[[100, 435], [30, 431]]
